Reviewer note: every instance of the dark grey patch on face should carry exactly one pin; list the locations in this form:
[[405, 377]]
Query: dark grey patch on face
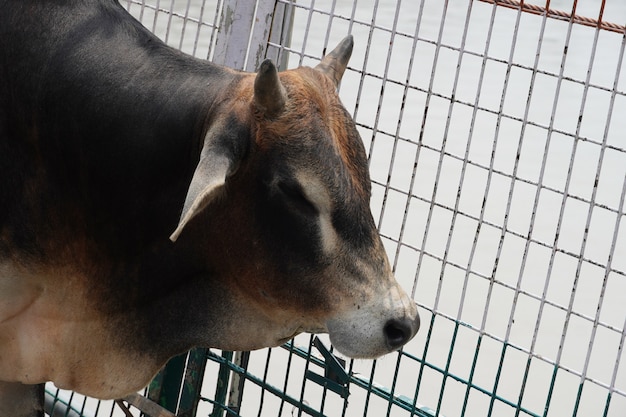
[[354, 224], [289, 221]]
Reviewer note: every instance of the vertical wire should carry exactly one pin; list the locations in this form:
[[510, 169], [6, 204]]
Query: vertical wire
[[482, 210], [352, 14], [504, 229], [370, 35], [432, 205], [413, 175], [185, 20], [307, 30], [533, 214], [455, 210], [98, 407], [370, 384], [535, 205], [620, 212], [331, 16], [560, 221], [516, 293], [392, 389], [586, 234], [461, 53], [142, 9], [198, 29], [350, 26], [265, 373], [157, 7], [70, 400], [492, 281], [446, 371], [287, 371], [378, 111], [215, 29], [345, 401], [470, 378], [593, 198], [355, 111], [443, 144], [470, 136], [397, 135], [374, 131], [83, 406], [169, 21], [396, 139], [112, 408], [325, 389], [620, 348], [606, 277], [306, 368]]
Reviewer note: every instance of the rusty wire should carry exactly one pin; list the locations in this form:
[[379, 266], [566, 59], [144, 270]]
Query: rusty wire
[[561, 15]]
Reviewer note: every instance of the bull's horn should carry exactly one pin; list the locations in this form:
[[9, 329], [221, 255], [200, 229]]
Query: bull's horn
[[269, 93], [334, 63]]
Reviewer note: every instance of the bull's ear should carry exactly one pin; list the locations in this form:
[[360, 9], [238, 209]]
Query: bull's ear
[[335, 62], [269, 93], [219, 158]]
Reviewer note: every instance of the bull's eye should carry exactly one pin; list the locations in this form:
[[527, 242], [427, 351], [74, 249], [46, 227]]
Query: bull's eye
[[296, 198]]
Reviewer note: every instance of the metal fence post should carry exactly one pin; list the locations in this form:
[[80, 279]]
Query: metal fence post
[[235, 394], [221, 392], [233, 35], [165, 387], [192, 384], [245, 30], [177, 386]]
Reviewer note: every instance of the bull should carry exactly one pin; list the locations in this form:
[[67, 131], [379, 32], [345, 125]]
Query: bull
[[151, 202]]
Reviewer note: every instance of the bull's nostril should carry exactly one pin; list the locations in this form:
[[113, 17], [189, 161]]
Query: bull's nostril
[[398, 332]]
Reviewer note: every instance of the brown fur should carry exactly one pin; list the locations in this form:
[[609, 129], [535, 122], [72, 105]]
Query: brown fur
[[313, 99]]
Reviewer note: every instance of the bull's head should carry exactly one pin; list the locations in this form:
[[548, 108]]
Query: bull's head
[[282, 193]]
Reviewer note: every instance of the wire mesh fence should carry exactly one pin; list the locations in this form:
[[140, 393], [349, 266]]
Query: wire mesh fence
[[497, 145]]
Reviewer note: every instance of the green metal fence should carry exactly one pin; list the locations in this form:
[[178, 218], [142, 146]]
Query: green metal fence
[[497, 146]]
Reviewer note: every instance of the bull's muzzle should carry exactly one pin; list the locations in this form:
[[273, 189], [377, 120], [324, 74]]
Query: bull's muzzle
[[384, 324]]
